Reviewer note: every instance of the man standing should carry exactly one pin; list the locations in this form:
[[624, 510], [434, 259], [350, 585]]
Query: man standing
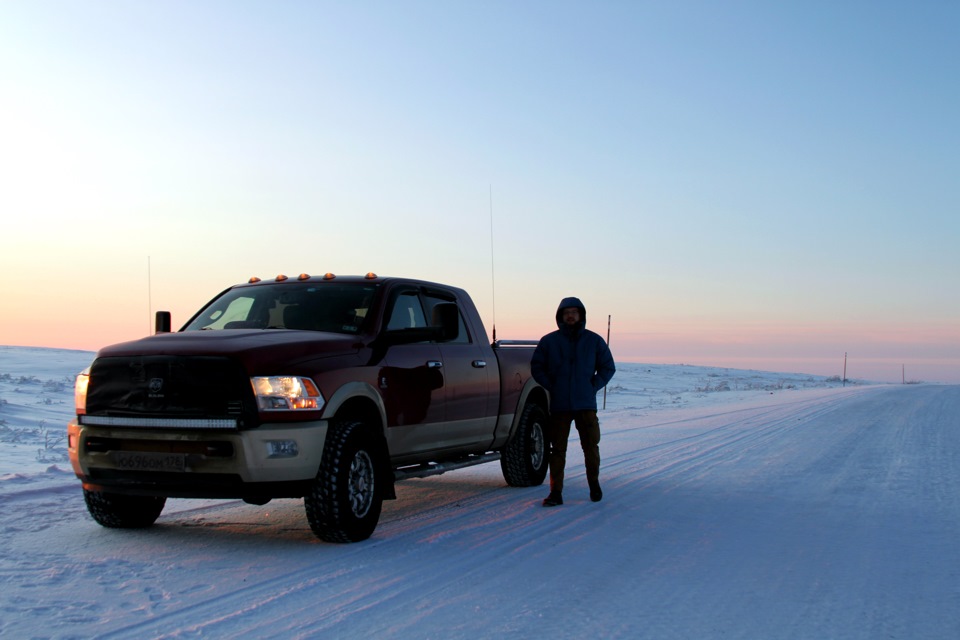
[[573, 364]]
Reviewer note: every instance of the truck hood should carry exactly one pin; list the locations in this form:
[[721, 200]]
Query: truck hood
[[259, 350]]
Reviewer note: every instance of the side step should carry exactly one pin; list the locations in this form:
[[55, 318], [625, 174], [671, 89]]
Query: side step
[[436, 468]]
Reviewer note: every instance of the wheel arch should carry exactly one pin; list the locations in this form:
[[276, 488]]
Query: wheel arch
[[532, 393], [357, 401]]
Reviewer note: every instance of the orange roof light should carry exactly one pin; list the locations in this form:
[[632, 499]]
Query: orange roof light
[[253, 279], [328, 276], [370, 275], [281, 278], [303, 276]]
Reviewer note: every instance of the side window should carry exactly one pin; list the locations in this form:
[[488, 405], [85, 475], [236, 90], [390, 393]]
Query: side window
[[407, 312]]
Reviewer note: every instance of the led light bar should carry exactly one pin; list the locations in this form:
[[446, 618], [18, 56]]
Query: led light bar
[[159, 423]]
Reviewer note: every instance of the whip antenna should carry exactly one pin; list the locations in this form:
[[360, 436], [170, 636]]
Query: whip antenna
[[149, 298], [493, 277]]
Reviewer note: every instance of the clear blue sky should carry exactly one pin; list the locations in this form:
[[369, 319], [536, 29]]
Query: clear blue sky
[[747, 184]]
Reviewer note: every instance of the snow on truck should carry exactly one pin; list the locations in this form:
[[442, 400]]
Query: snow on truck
[[324, 388]]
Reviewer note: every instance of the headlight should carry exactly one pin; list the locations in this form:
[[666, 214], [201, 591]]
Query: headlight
[[80, 391], [286, 393]]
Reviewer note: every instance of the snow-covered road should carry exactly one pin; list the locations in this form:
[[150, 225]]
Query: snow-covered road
[[828, 512]]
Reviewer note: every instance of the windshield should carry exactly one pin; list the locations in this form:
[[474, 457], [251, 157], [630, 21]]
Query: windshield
[[338, 308]]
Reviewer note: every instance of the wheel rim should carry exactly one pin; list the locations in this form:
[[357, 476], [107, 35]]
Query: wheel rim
[[360, 484], [537, 445]]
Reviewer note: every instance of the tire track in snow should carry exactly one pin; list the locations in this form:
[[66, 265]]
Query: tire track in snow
[[371, 574], [312, 601], [739, 432]]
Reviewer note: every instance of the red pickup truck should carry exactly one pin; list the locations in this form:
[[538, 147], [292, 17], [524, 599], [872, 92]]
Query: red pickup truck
[[327, 388]]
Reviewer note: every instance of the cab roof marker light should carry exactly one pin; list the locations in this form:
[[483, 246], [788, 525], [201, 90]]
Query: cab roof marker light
[[281, 278], [329, 276], [303, 276], [370, 275], [253, 280]]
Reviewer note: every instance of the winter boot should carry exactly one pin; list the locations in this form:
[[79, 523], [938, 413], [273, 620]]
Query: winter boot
[[596, 495], [555, 498]]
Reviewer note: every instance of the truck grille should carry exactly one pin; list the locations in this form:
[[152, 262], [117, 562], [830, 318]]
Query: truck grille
[[178, 387]]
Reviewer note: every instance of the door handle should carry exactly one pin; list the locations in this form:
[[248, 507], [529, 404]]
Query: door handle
[[434, 364], [479, 364]]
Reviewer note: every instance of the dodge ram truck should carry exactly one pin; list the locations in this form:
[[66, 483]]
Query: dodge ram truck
[[327, 388]]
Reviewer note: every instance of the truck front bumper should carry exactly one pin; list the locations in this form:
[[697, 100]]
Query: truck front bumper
[[272, 461]]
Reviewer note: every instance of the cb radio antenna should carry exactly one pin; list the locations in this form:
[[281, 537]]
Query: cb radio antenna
[[493, 275]]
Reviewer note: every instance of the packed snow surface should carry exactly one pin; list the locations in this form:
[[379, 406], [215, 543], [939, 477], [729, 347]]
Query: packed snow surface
[[737, 504]]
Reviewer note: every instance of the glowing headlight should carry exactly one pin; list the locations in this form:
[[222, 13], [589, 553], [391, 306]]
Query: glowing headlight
[[286, 393], [80, 391]]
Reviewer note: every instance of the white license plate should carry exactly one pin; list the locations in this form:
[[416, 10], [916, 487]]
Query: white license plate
[[140, 461]]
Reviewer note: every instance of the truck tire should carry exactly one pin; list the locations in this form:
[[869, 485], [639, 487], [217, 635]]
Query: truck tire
[[117, 511], [524, 459], [344, 503]]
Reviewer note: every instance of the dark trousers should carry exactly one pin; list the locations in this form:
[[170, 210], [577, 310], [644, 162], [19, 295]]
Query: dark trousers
[[589, 429]]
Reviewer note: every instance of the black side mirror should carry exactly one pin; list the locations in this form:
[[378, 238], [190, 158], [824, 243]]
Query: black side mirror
[[446, 320], [163, 322]]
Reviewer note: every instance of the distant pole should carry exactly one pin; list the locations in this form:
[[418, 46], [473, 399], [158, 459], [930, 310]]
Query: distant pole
[[608, 345], [903, 374], [844, 368]]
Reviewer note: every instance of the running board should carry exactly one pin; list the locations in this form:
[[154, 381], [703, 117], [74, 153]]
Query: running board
[[436, 468]]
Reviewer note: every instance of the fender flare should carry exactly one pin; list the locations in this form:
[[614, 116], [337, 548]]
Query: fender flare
[[532, 392], [352, 391]]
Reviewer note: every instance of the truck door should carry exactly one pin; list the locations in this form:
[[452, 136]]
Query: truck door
[[470, 376], [411, 380]]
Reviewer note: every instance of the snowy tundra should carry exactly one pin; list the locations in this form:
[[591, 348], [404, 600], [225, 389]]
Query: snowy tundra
[[737, 504]]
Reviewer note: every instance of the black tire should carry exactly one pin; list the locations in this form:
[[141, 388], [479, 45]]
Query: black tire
[[117, 511], [524, 459], [344, 503]]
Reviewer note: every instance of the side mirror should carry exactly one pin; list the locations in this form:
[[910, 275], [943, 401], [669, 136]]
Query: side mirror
[[163, 322], [446, 320]]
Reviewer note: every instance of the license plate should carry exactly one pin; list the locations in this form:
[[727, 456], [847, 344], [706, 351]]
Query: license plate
[[138, 461]]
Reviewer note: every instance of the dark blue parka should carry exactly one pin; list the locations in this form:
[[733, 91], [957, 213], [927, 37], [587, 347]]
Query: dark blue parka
[[572, 363]]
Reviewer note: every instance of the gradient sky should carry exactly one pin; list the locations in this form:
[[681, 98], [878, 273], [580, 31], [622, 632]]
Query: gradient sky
[[749, 184]]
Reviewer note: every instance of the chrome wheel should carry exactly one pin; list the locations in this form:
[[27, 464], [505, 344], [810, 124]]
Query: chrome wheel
[[538, 445], [361, 485]]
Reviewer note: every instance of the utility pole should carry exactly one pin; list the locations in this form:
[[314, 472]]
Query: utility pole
[[608, 346], [844, 368]]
